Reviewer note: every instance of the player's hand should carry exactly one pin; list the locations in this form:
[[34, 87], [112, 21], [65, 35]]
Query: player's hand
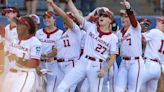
[[126, 4], [49, 1], [12, 57], [52, 53], [101, 73], [38, 71], [43, 56]]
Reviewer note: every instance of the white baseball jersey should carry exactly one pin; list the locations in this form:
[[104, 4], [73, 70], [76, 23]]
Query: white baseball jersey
[[99, 44], [70, 43], [10, 34], [130, 42], [48, 39], [27, 49], [155, 44]]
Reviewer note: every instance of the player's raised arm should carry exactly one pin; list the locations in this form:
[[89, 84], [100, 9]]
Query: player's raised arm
[[75, 11], [130, 13], [61, 13]]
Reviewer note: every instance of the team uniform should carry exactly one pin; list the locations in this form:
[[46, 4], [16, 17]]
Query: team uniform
[[153, 40], [110, 78], [10, 34], [48, 40], [97, 48], [68, 49], [21, 78], [132, 66]]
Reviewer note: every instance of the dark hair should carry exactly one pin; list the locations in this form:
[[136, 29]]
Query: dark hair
[[31, 22]]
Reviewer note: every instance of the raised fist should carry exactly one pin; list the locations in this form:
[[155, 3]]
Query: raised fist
[[126, 4], [49, 1]]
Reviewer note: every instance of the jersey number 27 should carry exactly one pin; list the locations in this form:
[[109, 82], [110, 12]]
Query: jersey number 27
[[100, 49]]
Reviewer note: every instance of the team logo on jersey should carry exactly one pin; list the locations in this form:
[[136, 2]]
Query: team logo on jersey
[[38, 50], [99, 39]]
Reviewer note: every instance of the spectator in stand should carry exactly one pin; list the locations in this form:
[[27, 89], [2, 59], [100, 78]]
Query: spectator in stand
[[157, 6], [62, 4], [31, 6], [90, 6], [2, 1]]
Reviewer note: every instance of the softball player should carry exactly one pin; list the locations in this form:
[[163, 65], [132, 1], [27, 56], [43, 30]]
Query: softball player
[[10, 33], [96, 51], [27, 51], [110, 76], [69, 41], [2, 31], [153, 40], [48, 37], [131, 68]]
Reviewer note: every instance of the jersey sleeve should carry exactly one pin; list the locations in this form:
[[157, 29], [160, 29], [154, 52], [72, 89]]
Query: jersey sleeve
[[114, 46], [87, 25], [75, 28], [148, 35], [36, 51], [138, 28]]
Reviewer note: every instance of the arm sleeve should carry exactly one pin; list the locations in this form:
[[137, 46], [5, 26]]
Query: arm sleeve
[[76, 28], [87, 25], [148, 35], [137, 28]]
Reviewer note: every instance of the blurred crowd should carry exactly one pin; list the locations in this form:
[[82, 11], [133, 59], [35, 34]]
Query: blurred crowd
[[32, 5]]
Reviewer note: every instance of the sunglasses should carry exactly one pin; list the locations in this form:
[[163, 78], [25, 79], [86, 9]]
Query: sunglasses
[[104, 15], [145, 25]]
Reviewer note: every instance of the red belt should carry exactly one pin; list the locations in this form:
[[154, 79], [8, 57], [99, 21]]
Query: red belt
[[130, 58], [155, 60], [93, 58]]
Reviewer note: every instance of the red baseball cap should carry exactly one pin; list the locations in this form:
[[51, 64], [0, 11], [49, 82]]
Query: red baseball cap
[[10, 9], [105, 12], [160, 19], [48, 14], [22, 20]]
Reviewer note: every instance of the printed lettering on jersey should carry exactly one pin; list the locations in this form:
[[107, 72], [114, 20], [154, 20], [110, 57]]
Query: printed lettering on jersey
[[98, 39], [47, 40], [125, 37], [64, 36]]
